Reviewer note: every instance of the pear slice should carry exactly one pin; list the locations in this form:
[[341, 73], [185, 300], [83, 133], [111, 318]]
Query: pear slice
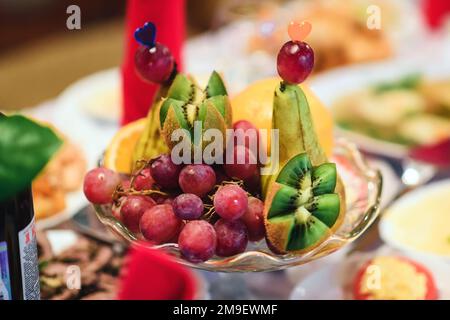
[[305, 200]]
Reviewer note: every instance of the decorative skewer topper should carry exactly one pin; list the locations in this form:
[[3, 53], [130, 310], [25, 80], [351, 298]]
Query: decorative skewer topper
[[154, 62], [295, 60]]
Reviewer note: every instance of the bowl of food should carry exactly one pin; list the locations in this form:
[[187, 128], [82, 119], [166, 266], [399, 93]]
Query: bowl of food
[[389, 108], [405, 227], [385, 274], [57, 193], [362, 185]]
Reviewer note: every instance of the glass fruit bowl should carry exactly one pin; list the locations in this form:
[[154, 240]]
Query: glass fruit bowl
[[363, 186]]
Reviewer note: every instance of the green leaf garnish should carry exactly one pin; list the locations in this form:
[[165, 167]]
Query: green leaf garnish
[[25, 148]]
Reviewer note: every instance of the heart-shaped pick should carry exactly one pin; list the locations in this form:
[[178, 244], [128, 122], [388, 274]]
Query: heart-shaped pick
[[298, 31], [146, 35]]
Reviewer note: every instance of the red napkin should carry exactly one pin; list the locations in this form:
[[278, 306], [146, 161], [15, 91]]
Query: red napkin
[[435, 11], [168, 16], [150, 274]]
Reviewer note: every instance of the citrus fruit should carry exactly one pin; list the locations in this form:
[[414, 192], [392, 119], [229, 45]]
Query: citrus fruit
[[254, 104], [119, 153]]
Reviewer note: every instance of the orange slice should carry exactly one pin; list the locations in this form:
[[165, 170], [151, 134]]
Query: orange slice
[[119, 153]]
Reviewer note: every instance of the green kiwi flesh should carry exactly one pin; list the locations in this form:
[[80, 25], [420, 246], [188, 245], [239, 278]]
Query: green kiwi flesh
[[305, 202]]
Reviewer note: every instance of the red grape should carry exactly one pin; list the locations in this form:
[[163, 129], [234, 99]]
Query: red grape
[[144, 180], [159, 198], [253, 184], [174, 239], [132, 210], [295, 61], [159, 224], [197, 241], [254, 220], [188, 206], [168, 201], [249, 132], [154, 64], [244, 125], [165, 172], [198, 179], [125, 184], [220, 175], [231, 237], [100, 184], [117, 207], [244, 164], [230, 202]]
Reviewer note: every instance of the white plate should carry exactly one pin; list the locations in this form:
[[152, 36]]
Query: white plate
[[74, 202], [98, 95], [340, 82], [90, 133], [387, 228], [329, 282]]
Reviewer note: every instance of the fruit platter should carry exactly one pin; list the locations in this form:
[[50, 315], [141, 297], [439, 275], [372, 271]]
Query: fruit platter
[[224, 192]]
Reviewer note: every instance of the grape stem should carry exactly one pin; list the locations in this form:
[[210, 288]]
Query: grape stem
[[208, 214], [133, 192], [239, 183], [172, 76], [119, 192]]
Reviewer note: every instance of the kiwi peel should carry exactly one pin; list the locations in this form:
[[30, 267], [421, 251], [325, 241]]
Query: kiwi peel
[[305, 199]]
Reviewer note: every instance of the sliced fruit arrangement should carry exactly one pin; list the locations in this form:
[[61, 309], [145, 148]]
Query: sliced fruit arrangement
[[300, 212], [216, 209], [186, 103], [305, 201]]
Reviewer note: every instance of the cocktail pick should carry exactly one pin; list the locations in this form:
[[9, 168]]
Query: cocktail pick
[[298, 31], [146, 35], [153, 60], [295, 59]]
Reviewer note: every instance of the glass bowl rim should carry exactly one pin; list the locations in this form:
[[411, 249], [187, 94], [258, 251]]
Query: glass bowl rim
[[271, 261]]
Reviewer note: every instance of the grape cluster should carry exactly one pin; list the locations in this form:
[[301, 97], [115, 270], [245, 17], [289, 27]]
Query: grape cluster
[[205, 209]]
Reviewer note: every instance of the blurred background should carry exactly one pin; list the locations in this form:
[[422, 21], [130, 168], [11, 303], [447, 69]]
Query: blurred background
[[34, 37], [387, 88]]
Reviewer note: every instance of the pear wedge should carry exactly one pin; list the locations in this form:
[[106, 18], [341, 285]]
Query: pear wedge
[[305, 199]]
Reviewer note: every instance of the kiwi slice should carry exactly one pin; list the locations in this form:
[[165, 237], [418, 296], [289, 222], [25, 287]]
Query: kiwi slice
[[303, 206], [215, 86], [187, 103]]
